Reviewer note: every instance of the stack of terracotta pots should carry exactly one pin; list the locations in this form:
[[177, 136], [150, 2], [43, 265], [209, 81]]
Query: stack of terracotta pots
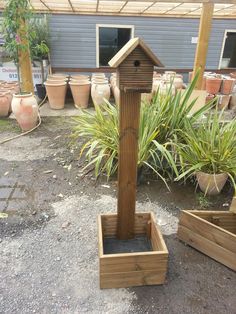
[[80, 86], [100, 89], [220, 87], [56, 87], [7, 90]]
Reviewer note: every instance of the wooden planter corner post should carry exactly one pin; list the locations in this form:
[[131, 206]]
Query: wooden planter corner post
[[211, 232], [134, 63]]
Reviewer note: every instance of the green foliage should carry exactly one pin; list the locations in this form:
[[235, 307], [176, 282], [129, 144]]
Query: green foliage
[[203, 201], [159, 122], [209, 146], [102, 138], [173, 110], [40, 43], [15, 33]]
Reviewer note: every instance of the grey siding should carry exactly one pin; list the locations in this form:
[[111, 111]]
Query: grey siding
[[74, 39]]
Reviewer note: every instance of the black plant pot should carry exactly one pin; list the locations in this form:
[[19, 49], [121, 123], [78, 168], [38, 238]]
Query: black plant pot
[[41, 91]]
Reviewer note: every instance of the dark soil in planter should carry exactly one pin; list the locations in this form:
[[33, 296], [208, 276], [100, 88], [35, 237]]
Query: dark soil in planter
[[138, 244]]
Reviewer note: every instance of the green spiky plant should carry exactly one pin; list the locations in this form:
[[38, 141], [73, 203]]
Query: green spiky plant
[[208, 146], [158, 122]]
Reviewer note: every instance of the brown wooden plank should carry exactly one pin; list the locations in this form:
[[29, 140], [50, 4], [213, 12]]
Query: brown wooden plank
[[208, 230], [100, 236], [133, 263], [207, 247], [159, 70], [159, 235], [129, 279], [233, 205]]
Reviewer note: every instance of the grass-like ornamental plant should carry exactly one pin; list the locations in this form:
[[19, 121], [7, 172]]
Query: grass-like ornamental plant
[[157, 132], [208, 146], [100, 129]]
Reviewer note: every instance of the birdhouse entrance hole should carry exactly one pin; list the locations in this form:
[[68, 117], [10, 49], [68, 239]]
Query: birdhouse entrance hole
[[137, 63]]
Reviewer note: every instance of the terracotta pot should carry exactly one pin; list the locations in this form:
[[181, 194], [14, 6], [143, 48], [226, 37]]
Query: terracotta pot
[[165, 86], [156, 84], [57, 77], [169, 75], [146, 97], [56, 94], [211, 184], [117, 95], [55, 81], [80, 92], [209, 97], [223, 102], [227, 86], [102, 75], [25, 109], [213, 85], [233, 75], [4, 105], [79, 77], [178, 81], [77, 81], [99, 91]]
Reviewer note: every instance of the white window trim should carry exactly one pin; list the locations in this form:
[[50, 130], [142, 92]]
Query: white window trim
[[112, 26], [223, 44]]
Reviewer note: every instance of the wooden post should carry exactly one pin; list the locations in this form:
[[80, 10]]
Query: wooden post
[[203, 39], [25, 61], [128, 157]]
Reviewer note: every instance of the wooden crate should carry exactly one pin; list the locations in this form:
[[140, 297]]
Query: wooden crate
[[132, 269], [211, 232]]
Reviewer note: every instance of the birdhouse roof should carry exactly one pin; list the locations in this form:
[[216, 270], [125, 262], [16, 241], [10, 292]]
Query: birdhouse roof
[[123, 53]]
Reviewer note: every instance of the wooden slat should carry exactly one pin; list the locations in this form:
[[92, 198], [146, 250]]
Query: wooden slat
[[158, 233], [129, 279], [109, 224], [134, 263], [100, 236], [159, 70], [207, 247], [208, 230]]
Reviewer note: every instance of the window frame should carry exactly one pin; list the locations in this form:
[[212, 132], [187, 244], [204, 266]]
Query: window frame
[[111, 26], [223, 45]]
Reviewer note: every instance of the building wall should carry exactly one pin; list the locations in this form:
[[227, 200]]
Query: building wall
[[74, 38]]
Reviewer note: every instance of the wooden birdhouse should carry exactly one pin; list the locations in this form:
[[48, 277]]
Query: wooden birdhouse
[[135, 63]]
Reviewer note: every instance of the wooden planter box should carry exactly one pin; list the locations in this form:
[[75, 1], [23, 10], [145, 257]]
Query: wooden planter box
[[211, 232], [132, 269]]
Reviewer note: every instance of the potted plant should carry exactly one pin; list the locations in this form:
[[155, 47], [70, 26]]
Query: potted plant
[[208, 152], [17, 37], [40, 49]]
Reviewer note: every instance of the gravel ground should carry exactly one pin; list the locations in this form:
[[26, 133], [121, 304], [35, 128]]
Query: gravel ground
[[48, 243]]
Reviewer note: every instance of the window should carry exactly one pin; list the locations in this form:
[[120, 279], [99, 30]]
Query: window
[[228, 54], [110, 39]]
